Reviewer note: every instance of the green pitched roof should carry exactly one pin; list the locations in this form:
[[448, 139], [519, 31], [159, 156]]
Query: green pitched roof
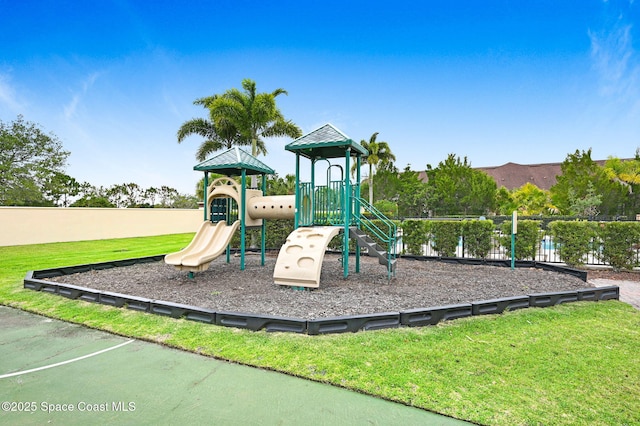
[[325, 142], [231, 163]]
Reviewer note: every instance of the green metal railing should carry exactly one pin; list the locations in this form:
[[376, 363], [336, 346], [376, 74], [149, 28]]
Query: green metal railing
[[329, 204], [223, 208], [326, 204], [305, 214], [378, 226]]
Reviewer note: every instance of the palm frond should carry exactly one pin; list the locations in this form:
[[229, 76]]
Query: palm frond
[[196, 126], [207, 148]]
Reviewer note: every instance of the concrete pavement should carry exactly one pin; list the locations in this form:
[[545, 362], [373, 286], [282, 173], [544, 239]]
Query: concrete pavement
[[59, 373], [629, 290]]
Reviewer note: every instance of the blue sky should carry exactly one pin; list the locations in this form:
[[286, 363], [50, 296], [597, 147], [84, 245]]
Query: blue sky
[[495, 81]]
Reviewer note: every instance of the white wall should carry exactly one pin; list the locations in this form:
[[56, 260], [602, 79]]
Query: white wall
[[34, 225]]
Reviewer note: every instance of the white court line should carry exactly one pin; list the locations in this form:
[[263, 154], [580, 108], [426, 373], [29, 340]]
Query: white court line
[[19, 373]]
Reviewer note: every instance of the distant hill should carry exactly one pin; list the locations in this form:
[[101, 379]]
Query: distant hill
[[514, 175]]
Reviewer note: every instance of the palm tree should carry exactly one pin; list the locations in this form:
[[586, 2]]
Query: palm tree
[[627, 173], [254, 115], [380, 155], [217, 135]]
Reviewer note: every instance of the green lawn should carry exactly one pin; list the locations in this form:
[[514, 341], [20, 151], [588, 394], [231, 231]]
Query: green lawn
[[577, 363]]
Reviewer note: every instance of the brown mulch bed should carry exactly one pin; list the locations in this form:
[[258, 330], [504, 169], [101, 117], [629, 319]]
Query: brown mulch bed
[[417, 284]]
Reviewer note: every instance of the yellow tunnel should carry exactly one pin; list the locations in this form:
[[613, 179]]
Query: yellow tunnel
[[272, 207]]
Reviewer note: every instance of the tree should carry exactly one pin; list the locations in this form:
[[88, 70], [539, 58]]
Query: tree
[[627, 173], [531, 200], [380, 155], [218, 134], [182, 201], [582, 178], [505, 204], [412, 195], [254, 115], [167, 195], [90, 196], [277, 185], [386, 184], [456, 188], [528, 200], [59, 188], [92, 201], [585, 205], [28, 158]]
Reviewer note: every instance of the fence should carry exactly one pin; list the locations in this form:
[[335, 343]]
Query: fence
[[546, 251], [36, 225]]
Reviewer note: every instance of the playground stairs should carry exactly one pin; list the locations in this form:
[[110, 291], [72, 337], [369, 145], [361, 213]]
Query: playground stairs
[[373, 248]]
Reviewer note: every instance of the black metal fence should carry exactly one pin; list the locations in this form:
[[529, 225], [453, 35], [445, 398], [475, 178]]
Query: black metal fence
[[545, 252]]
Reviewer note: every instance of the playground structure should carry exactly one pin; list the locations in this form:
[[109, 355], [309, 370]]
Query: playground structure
[[320, 212]]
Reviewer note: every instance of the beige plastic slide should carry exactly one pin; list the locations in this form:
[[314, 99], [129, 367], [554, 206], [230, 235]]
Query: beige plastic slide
[[299, 262], [210, 241]]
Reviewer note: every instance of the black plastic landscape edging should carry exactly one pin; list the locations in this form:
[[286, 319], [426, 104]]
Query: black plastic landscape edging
[[36, 280]]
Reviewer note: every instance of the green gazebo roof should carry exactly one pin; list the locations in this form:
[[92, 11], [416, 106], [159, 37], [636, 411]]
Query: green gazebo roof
[[325, 142], [231, 163]]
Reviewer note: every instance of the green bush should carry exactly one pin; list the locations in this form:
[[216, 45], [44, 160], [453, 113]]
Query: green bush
[[445, 237], [337, 243], [477, 237], [276, 234], [620, 244], [414, 236], [573, 240], [527, 238], [387, 208]]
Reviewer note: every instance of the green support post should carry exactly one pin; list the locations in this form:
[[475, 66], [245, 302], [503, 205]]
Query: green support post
[[357, 209], [264, 225], [312, 195], [243, 199], [206, 185], [514, 231], [296, 216], [346, 214], [228, 219]]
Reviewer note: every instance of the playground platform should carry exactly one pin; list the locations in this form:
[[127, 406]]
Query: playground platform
[[52, 372]]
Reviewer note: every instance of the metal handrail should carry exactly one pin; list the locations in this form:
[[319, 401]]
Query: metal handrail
[[388, 235]]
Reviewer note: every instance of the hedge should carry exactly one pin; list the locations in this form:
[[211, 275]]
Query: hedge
[[573, 240], [620, 242]]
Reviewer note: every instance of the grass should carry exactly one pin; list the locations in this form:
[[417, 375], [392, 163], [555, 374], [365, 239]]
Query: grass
[[571, 364]]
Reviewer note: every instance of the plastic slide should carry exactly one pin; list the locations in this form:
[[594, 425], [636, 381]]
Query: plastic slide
[[299, 262], [210, 241]]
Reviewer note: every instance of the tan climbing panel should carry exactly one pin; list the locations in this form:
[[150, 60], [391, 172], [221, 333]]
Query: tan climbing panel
[[300, 259]]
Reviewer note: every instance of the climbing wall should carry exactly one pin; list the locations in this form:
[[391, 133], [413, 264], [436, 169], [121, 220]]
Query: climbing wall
[[299, 262]]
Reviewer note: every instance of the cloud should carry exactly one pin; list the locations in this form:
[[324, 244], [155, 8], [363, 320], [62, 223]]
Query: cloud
[[70, 109], [8, 96], [615, 60]]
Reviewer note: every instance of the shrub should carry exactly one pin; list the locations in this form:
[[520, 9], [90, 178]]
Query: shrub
[[414, 235], [380, 226], [477, 237], [445, 237], [277, 232], [573, 240], [620, 244], [527, 238], [387, 208]]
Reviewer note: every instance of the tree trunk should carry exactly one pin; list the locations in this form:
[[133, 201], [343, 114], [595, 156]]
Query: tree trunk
[[370, 185]]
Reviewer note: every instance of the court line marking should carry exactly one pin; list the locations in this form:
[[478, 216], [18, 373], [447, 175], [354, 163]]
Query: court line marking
[[69, 361]]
